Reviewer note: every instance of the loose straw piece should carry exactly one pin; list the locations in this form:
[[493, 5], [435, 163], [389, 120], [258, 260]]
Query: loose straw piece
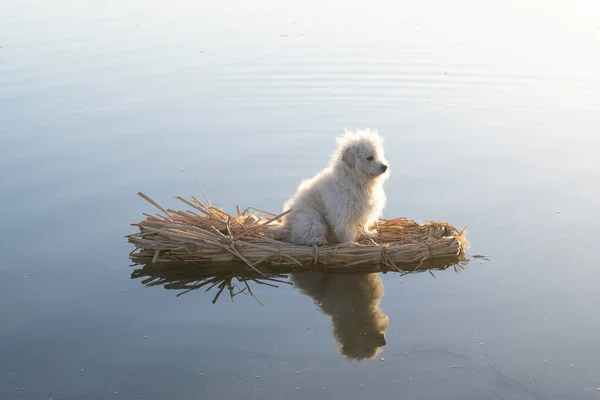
[[155, 204]]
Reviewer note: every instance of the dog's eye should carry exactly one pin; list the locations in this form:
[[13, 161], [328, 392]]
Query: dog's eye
[[370, 158]]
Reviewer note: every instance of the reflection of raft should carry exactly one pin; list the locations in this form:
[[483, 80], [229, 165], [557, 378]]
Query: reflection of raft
[[237, 278], [207, 234]]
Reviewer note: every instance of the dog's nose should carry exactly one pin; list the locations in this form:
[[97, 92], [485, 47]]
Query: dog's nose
[[380, 340], [384, 168]]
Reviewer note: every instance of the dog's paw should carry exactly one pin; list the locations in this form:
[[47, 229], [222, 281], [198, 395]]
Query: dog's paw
[[348, 241], [317, 241], [370, 234]]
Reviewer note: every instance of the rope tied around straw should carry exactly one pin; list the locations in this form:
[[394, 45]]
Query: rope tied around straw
[[430, 249], [387, 260]]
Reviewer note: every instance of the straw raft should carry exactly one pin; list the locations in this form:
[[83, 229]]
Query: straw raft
[[205, 233]]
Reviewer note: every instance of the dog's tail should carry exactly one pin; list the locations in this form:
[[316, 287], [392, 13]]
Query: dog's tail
[[279, 231]]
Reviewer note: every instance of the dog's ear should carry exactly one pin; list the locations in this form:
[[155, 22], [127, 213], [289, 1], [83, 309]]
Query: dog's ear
[[349, 157]]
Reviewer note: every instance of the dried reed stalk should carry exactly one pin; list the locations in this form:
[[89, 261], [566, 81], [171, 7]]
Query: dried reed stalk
[[207, 234]]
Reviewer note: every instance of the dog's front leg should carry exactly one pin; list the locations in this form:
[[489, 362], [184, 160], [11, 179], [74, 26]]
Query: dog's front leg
[[346, 237], [343, 228]]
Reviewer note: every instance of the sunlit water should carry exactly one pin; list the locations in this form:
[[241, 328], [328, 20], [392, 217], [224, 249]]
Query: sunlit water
[[490, 118]]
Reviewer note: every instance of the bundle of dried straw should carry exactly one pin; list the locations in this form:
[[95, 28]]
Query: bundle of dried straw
[[207, 234]]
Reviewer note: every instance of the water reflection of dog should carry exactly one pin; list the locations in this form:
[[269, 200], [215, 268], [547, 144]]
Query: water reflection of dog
[[352, 301]]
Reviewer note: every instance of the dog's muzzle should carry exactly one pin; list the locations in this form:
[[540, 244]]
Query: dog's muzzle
[[383, 168]]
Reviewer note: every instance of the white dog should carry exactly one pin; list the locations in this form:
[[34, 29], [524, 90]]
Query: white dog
[[343, 201]]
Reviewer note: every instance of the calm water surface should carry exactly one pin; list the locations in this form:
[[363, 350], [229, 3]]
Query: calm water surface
[[490, 118]]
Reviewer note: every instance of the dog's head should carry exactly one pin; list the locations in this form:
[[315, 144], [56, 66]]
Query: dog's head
[[362, 152]]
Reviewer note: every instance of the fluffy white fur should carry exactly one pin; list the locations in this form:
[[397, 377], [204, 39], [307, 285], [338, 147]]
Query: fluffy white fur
[[343, 201]]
